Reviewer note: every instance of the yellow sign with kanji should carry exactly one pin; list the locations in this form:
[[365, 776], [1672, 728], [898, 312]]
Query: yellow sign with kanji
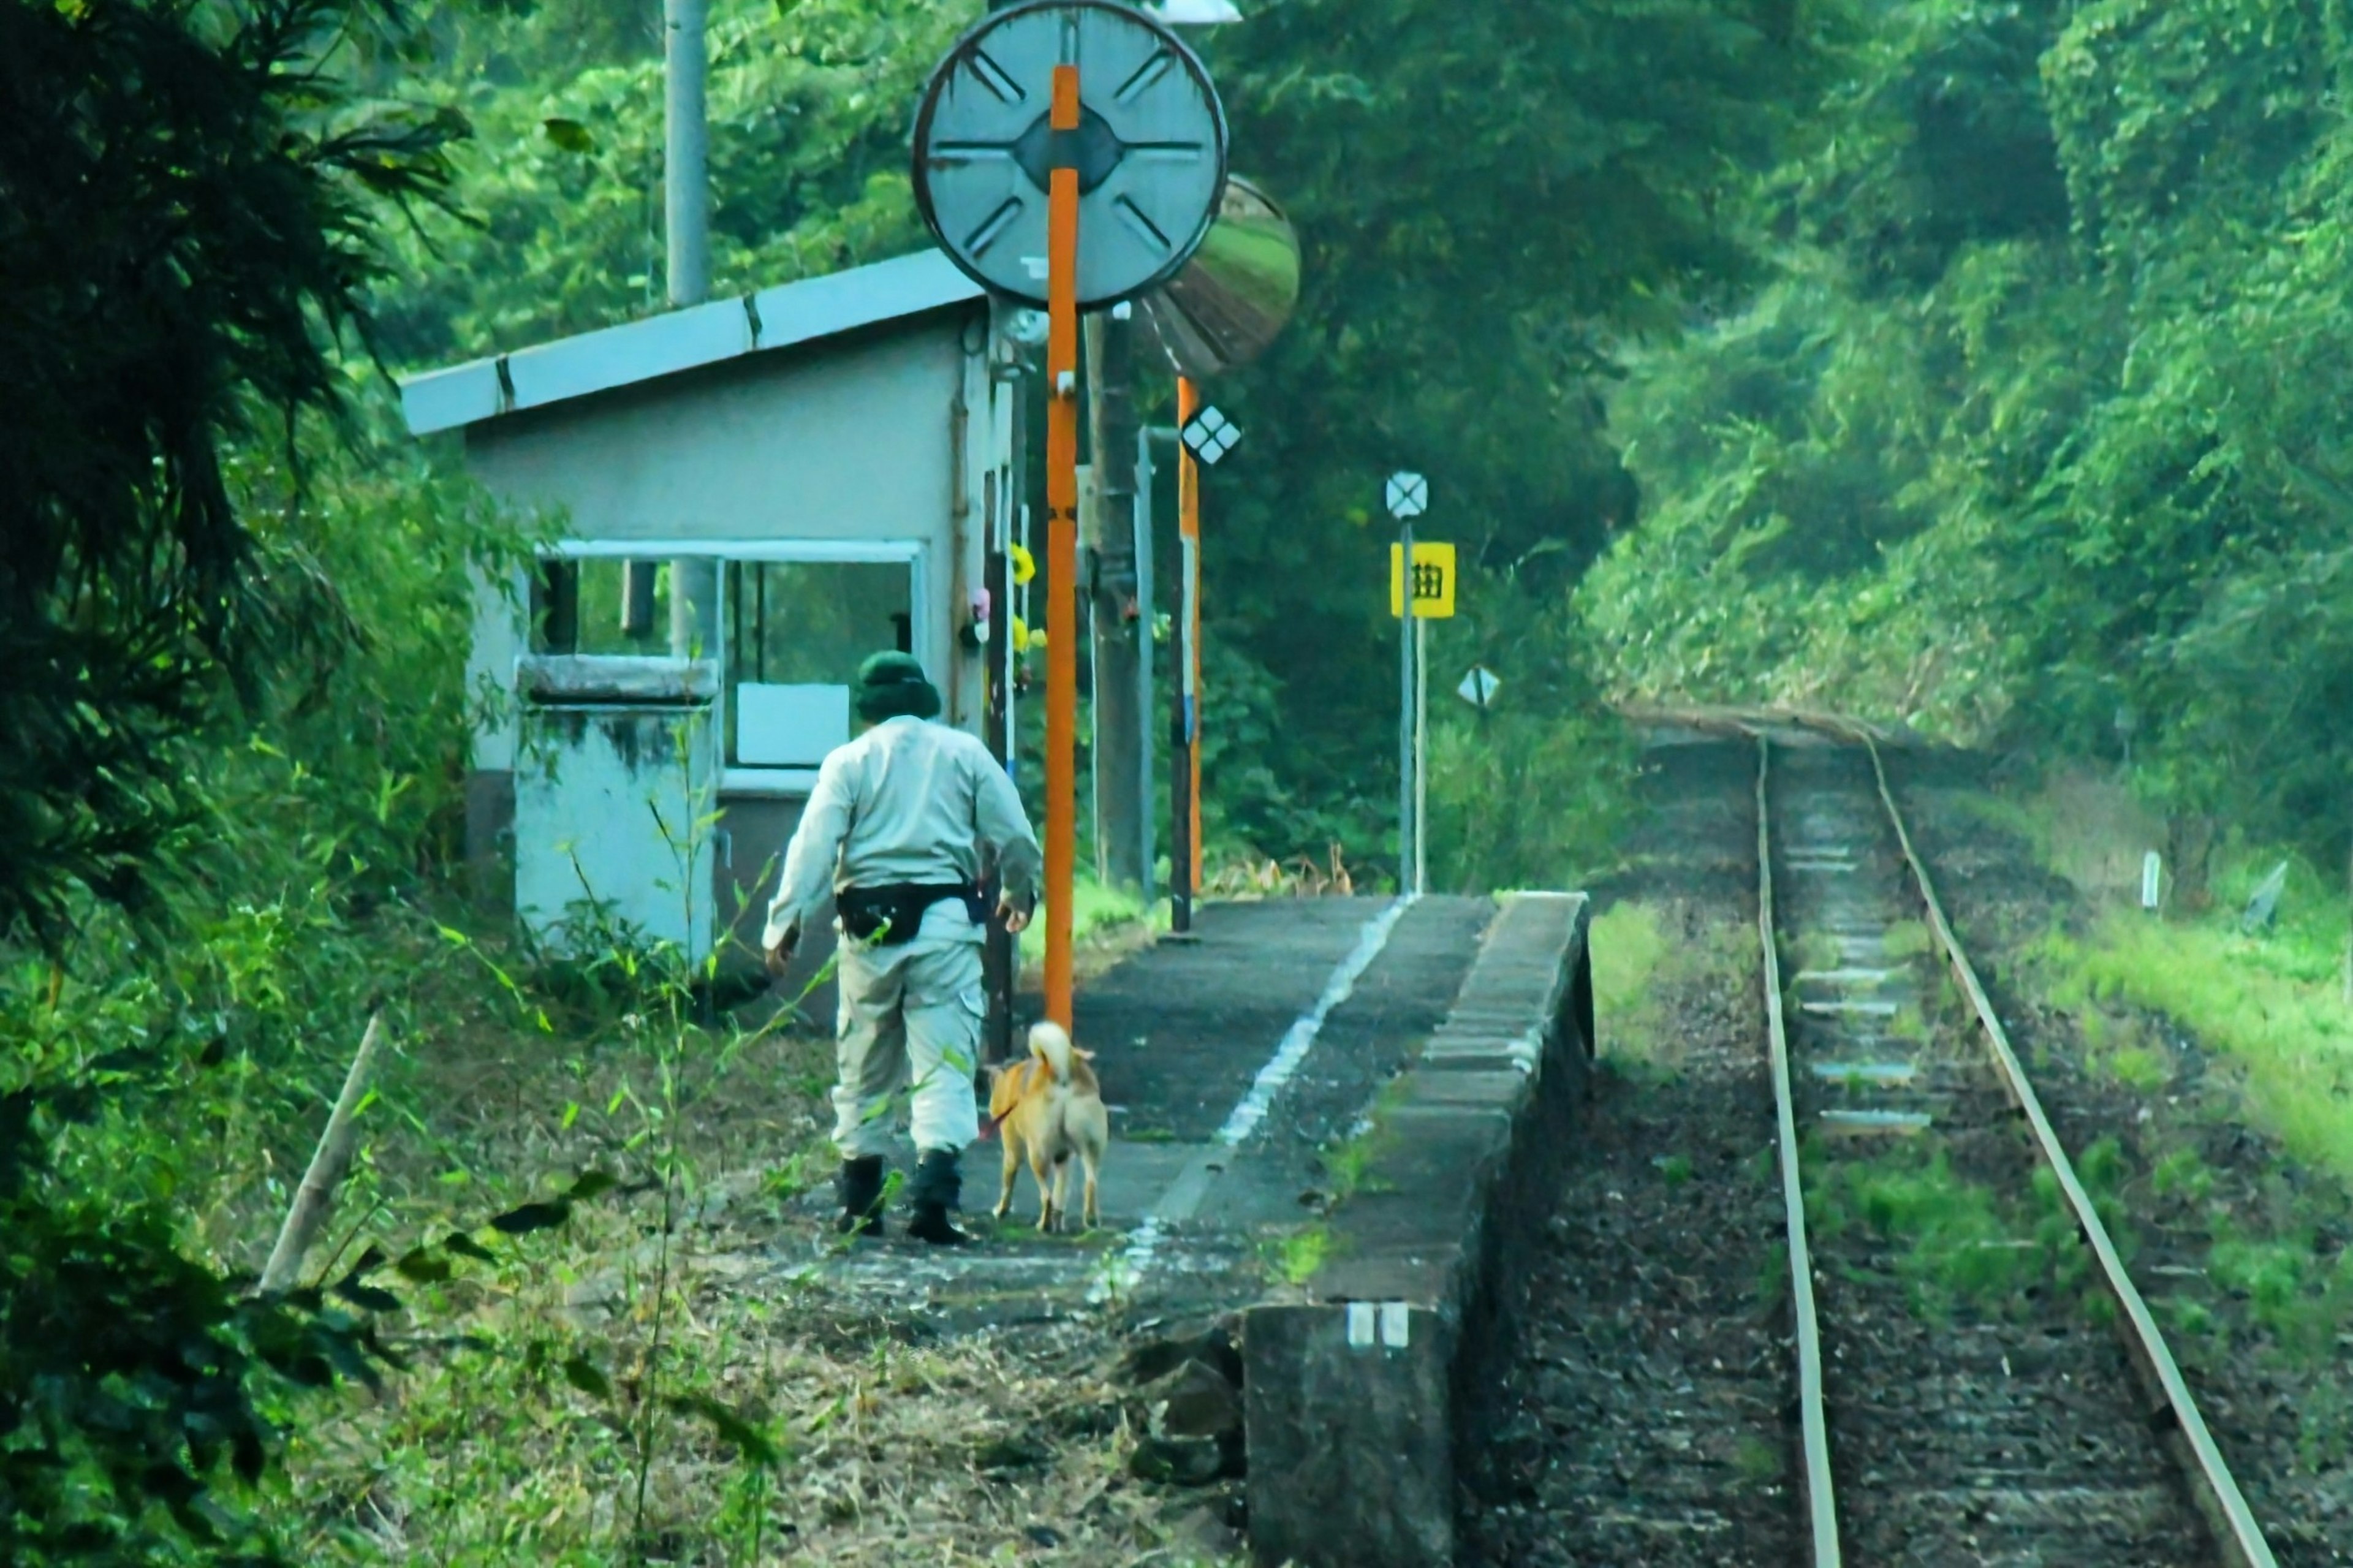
[[1433, 581]]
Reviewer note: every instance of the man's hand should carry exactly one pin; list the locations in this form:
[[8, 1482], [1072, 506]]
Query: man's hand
[[781, 953], [1016, 916]]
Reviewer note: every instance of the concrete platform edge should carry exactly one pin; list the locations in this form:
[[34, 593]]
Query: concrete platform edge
[[1361, 1390]]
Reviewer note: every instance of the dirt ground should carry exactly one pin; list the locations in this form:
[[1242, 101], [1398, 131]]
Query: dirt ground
[[565, 1397]]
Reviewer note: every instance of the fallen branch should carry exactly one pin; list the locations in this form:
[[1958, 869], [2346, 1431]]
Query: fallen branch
[[316, 1195]]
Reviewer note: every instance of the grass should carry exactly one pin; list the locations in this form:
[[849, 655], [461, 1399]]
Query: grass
[[2118, 1048], [1957, 1242], [537, 1381], [1347, 1164], [2291, 1294], [2271, 1003], [2290, 1034], [553, 1379], [2269, 1013], [1908, 939], [2088, 829], [1755, 1459], [1106, 922], [1636, 956], [1294, 1259], [1628, 947]]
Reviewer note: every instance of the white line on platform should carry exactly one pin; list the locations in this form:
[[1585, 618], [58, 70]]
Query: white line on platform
[[1185, 1193]]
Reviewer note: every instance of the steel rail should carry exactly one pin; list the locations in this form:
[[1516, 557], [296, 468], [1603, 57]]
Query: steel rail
[[2214, 1489], [1814, 1422]]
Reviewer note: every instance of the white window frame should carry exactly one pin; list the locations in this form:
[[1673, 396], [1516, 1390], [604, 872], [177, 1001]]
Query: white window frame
[[914, 554]]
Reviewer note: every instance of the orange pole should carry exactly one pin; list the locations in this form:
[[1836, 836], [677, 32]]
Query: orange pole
[[1061, 551], [1189, 526]]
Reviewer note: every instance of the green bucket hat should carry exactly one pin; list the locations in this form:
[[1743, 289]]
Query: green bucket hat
[[892, 686]]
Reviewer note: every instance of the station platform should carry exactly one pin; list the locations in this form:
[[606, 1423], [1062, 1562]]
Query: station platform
[[1232, 1060], [1335, 1123]]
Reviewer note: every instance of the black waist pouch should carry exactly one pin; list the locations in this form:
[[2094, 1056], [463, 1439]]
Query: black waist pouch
[[891, 915]]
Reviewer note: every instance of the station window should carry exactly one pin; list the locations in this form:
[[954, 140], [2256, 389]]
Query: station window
[[796, 631], [601, 605]]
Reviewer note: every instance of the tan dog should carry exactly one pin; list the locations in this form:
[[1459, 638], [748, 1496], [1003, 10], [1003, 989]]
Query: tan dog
[[1051, 1108]]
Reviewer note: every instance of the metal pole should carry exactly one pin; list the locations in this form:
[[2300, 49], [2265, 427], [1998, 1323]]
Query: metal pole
[[1182, 884], [1016, 532], [686, 182], [1000, 956], [1145, 621], [1406, 824], [1061, 550], [1117, 633], [1420, 750]]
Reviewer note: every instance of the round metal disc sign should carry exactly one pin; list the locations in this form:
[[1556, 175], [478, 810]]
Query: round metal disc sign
[[1150, 149]]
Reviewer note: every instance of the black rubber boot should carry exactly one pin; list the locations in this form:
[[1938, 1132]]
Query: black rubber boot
[[933, 1194], [861, 1187]]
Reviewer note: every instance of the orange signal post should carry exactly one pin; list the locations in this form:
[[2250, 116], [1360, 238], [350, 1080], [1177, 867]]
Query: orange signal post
[[1188, 530], [1061, 549]]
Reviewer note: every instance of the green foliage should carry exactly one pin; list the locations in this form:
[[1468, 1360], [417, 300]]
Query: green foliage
[[1537, 791], [1628, 948], [2242, 997], [2035, 436], [185, 238], [313, 817], [1466, 252], [136, 1386], [559, 226], [187, 243], [1294, 1259]]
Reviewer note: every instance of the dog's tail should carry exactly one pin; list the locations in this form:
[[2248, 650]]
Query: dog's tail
[[1052, 1046]]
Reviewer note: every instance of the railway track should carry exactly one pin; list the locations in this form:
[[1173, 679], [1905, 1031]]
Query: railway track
[[2002, 1423]]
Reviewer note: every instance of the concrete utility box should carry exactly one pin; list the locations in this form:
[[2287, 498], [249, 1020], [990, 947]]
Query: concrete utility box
[[748, 497], [606, 743]]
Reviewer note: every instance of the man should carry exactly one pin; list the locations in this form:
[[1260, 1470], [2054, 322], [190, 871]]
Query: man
[[898, 828]]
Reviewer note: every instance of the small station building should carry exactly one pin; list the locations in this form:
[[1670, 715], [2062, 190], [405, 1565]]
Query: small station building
[[748, 497]]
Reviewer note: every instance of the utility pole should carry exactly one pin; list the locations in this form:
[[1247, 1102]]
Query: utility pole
[[686, 175], [1120, 780], [686, 224]]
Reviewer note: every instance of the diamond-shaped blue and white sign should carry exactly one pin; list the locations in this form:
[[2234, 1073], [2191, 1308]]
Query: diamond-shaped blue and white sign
[[1210, 434], [1408, 495], [1479, 687]]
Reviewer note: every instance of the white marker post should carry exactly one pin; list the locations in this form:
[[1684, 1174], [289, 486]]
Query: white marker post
[[1407, 497], [2152, 875]]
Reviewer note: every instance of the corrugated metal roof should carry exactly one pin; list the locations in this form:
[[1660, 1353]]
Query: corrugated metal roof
[[681, 340]]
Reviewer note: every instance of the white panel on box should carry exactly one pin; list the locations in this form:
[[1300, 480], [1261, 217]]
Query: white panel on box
[[612, 834], [790, 726]]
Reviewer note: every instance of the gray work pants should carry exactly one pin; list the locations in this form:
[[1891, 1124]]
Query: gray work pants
[[910, 1024]]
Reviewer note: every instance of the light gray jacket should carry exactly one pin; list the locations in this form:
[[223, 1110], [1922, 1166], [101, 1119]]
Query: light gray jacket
[[909, 801]]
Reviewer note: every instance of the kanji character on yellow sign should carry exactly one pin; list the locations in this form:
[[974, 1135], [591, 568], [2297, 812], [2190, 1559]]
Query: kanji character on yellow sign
[[1433, 579]]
